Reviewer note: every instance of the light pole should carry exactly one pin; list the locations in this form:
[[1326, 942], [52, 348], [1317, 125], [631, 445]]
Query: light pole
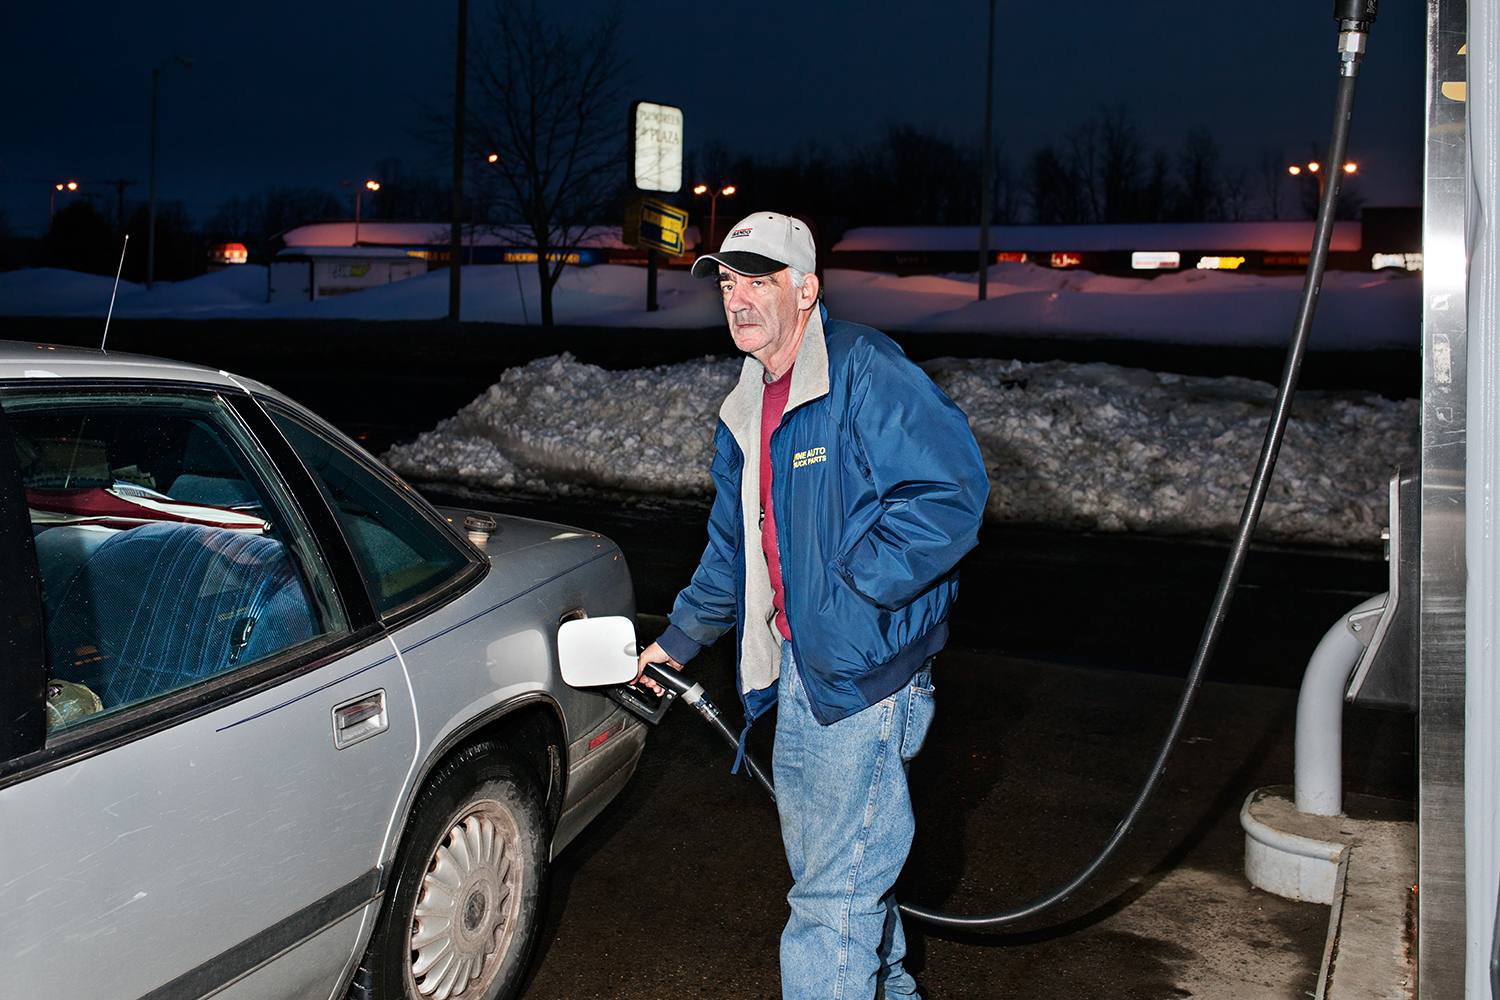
[[455, 239], [713, 206], [985, 208], [52, 202], [151, 210], [358, 192]]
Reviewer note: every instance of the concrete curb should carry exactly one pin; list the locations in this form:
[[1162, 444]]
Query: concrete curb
[[1365, 869]]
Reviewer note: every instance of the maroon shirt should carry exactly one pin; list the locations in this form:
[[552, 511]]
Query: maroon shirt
[[773, 404]]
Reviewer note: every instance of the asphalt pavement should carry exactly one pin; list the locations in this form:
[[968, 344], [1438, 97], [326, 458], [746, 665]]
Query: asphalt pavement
[[1064, 668], [677, 891]]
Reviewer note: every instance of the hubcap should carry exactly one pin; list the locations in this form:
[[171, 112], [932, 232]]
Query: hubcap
[[465, 914]]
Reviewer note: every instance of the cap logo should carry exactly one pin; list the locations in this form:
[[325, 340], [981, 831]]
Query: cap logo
[[742, 232]]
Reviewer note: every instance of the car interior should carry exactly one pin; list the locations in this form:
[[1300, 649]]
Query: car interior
[[163, 560]]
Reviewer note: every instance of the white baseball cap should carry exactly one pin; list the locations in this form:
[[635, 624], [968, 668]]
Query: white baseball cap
[[762, 243]]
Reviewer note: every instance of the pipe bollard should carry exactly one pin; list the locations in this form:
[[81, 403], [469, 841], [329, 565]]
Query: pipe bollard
[[1319, 753]]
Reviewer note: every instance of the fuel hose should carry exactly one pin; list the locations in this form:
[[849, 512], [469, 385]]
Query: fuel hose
[[1355, 18]]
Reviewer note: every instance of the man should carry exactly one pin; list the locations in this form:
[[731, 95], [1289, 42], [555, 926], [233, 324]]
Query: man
[[848, 487]]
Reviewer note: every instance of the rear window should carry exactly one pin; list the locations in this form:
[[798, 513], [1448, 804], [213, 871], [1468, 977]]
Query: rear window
[[169, 553], [403, 554]]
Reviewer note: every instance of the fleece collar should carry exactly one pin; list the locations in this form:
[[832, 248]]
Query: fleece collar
[[760, 651]]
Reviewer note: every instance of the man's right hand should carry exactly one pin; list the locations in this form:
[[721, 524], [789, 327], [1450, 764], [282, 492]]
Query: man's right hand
[[653, 654]]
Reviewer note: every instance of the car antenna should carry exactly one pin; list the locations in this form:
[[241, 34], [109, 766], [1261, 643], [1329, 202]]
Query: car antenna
[[105, 338]]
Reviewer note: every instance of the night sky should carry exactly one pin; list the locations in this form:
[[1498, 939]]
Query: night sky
[[313, 93]]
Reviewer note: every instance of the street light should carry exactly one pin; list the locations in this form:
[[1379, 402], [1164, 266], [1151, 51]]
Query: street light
[[369, 185], [713, 205], [1316, 169], [52, 203], [151, 211]]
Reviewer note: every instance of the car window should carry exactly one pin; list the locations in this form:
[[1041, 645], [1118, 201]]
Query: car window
[[403, 555], [168, 551]]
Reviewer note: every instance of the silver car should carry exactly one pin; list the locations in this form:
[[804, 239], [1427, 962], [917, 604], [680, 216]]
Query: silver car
[[273, 726]]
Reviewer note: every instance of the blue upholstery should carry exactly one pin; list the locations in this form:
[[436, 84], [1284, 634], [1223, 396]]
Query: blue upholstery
[[61, 552], [161, 605]]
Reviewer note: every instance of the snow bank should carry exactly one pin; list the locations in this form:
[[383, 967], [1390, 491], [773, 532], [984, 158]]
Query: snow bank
[[1094, 447], [1356, 311]]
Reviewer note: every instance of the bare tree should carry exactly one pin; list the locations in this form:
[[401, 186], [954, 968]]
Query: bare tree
[[1086, 156], [1236, 188], [1269, 179], [548, 106], [1053, 189], [1120, 165], [1198, 164]]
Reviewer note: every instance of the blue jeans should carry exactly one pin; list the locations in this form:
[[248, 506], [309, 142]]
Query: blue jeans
[[847, 824]]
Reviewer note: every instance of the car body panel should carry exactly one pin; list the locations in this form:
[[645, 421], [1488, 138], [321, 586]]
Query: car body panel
[[131, 867]]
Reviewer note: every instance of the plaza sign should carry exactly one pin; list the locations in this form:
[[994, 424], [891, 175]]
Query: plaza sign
[[655, 147]]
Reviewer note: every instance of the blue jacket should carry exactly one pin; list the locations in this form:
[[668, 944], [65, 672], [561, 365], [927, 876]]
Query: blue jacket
[[878, 488]]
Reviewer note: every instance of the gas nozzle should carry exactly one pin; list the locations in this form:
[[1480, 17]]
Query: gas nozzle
[[673, 685], [1355, 15], [653, 707], [1354, 18]]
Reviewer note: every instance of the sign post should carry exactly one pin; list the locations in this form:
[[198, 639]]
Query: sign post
[[655, 165]]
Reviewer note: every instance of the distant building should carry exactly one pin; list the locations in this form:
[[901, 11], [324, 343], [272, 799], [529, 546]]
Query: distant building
[[1385, 237], [321, 259]]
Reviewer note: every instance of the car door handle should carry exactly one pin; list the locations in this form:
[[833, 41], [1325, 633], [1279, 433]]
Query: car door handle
[[359, 719]]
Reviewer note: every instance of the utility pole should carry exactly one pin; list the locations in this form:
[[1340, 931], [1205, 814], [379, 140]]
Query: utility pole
[[985, 207], [151, 211], [455, 248], [120, 184]]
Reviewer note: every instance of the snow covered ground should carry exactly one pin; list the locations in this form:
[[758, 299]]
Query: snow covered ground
[[1084, 446], [1356, 310]]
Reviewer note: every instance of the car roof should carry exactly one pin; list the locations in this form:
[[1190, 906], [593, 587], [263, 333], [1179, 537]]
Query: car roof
[[22, 360]]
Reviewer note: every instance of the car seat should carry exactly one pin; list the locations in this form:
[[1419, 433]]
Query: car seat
[[161, 605]]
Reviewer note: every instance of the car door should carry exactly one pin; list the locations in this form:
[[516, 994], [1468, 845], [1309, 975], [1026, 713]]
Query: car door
[[227, 730]]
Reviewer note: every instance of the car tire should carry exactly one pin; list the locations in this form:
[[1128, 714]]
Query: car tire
[[463, 904]]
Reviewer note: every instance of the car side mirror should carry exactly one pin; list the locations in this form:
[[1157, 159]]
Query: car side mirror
[[595, 652]]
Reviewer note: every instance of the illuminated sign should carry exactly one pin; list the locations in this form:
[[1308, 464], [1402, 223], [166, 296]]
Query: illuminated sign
[[655, 147], [1066, 260], [228, 253], [1284, 260], [1155, 260], [1006, 257], [1220, 263], [653, 223], [529, 256], [1409, 261]]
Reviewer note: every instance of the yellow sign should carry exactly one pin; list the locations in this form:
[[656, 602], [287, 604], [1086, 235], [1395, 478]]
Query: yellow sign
[[653, 223], [529, 257]]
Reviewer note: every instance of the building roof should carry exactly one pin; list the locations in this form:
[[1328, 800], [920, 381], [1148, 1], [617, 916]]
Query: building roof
[[1278, 237], [435, 234]]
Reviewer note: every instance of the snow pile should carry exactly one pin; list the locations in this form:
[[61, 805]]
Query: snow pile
[[1357, 310], [1093, 447], [1096, 446], [554, 423]]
